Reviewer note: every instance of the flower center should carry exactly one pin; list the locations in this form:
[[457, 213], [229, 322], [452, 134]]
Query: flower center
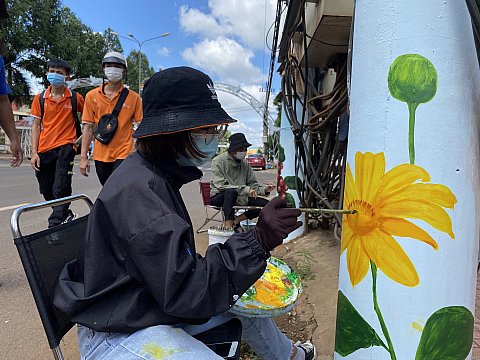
[[365, 220]]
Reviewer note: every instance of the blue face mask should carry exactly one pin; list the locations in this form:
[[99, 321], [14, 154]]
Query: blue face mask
[[206, 143], [55, 79]]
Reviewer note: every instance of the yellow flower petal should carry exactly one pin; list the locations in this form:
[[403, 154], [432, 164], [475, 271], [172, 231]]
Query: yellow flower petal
[[390, 258], [369, 171], [434, 193], [402, 175], [350, 188], [404, 228], [422, 210], [346, 236], [357, 261]]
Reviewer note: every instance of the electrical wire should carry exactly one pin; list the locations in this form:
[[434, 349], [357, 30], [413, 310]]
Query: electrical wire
[[319, 123]]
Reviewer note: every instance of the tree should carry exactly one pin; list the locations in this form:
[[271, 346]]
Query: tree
[[147, 70], [41, 30]]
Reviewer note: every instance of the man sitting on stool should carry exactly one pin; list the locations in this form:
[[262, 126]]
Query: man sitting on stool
[[233, 183]]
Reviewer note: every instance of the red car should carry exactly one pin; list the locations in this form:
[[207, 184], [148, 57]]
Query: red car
[[257, 161]]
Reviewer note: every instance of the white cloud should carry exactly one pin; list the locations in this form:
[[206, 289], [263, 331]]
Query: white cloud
[[246, 20], [229, 61], [163, 51], [249, 121], [194, 21]]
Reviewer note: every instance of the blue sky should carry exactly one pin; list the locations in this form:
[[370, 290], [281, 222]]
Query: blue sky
[[224, 38]]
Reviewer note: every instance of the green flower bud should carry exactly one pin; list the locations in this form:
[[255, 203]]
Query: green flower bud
[[412, 79]]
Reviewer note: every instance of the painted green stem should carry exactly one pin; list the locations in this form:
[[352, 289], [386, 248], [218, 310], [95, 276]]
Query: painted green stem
[[412, 108], [390, 349]]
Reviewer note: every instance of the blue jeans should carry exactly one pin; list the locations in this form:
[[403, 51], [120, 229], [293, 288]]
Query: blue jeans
[[174, 342]]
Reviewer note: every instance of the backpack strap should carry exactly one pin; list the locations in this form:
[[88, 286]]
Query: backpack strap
[[121, 100], [78, 124], [42, 103]]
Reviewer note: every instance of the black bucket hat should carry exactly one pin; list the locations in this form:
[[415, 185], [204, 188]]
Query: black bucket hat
[[238, 141], [179, 99]]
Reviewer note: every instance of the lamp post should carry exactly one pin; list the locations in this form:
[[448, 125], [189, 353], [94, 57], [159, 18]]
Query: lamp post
[[140, 44]]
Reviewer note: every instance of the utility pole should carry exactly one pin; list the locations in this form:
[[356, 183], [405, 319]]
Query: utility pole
[[409, 256], [140, 44]]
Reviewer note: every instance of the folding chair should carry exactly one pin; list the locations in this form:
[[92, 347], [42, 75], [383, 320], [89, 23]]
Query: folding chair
[[44, 254], [205, 191]]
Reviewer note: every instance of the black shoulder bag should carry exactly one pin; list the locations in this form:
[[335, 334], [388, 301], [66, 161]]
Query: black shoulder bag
[[108, 123]]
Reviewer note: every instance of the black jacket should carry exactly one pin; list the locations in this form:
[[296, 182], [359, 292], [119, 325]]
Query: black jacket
[[139, 266]]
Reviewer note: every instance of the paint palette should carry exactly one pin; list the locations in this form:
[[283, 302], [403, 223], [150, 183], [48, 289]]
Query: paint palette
[[275, 293]]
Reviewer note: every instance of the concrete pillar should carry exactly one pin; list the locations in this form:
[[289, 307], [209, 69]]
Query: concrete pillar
[[287, 143], [409, 255]]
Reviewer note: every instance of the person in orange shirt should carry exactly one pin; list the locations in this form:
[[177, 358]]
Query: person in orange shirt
[[53, 139], [101, 101]]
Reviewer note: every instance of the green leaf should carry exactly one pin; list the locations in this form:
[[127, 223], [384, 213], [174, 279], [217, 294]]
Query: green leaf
[[353, 332], [281, 153], [292, 184], [290, 200], [448, 335]]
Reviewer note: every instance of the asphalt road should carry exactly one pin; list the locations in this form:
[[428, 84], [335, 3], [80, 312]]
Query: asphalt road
[[21, 332]]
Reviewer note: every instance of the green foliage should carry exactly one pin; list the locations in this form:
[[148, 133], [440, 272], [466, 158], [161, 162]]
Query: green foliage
[[293, 183], [448, 335], [290, 200], [147, 70], [412, 79], [281, 153], [304, 266], [353, 332], [37, 31]]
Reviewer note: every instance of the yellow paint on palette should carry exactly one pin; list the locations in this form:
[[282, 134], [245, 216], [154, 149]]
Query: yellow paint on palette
[[270, 290], [158, 352]]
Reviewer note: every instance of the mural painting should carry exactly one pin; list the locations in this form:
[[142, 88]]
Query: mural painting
[[386, 202]]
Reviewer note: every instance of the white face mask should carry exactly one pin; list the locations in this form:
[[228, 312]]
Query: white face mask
[[240, 155], [113, 74]]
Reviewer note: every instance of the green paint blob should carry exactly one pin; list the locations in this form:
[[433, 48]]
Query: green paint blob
[[281, 153], [158, 352], [353, 332], [412, 79], [290, 200], [448, 335]]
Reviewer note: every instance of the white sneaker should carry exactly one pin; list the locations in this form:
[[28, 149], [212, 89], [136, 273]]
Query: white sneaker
[[308, 348]]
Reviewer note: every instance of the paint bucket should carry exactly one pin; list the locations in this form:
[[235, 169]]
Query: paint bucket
[[275, 293], [248, 225], [217, 234]]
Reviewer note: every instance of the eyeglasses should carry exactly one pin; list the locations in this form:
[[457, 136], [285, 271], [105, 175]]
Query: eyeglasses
[[214, 130]]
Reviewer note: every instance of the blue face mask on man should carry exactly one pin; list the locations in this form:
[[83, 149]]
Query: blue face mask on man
[[56, 80], [205, 143]]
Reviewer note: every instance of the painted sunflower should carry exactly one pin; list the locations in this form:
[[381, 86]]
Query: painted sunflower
[[383, 202]]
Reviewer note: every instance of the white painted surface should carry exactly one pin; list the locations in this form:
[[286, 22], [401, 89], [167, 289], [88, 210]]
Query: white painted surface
[[286, 140]]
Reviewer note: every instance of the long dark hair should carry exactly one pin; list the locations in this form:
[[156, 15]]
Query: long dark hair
[[169, 146]]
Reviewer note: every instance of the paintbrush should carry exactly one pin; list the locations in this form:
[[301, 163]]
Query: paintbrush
[[304, 210]]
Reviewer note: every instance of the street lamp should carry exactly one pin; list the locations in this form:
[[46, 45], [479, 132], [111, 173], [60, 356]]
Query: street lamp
[[140, 44]]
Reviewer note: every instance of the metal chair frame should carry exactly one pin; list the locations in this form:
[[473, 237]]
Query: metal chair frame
[[205, 192], [35, 280]]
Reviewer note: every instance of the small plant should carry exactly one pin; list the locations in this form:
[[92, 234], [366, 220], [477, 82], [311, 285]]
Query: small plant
[[246, 353], [304, 265]]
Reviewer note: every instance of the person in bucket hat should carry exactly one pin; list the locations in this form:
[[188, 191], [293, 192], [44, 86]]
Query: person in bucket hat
[[234, 183], [139, 281]]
